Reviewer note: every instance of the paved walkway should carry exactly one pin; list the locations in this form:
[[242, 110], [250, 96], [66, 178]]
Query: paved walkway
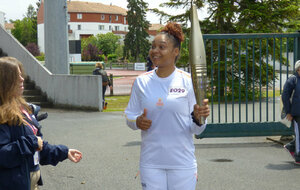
[[111, 155], [122, 85]]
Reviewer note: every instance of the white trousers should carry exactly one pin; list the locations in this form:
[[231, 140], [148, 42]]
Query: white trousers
[[168, 179]]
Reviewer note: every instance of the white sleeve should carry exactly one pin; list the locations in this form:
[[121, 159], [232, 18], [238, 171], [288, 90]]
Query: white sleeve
[[195, 129], [133, 109]]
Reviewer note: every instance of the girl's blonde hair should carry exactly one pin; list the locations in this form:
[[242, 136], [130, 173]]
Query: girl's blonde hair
[[99, 65], [10, 102]]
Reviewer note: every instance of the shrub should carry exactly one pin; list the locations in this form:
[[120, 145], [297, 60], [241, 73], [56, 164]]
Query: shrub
[[33, 49], [41, 57], [91, 53], [112, 57], [102, 57]]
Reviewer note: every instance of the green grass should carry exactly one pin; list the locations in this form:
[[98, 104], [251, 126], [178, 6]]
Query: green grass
[[270, 93], [116, 103]]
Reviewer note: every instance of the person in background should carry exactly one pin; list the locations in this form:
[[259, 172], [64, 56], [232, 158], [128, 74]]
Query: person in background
[[291, 103], [105, 81], [150, 65], [163, 106], [22, 147]]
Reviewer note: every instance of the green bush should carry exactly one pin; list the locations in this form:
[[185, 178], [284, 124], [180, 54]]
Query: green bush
[[41, 57], [101, 57], [112, 57]]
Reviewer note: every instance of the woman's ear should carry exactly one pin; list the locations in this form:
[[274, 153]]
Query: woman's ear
[[176, 51]]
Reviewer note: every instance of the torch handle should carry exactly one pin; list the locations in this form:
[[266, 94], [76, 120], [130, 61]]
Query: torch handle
[[199, 84]]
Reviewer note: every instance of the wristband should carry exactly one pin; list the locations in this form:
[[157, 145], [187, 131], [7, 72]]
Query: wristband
[[195, 120]]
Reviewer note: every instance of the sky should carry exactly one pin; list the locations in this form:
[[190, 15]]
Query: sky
[[16, 9]]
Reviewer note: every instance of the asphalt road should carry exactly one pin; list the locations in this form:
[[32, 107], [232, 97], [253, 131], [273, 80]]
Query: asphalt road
[[111, 155]]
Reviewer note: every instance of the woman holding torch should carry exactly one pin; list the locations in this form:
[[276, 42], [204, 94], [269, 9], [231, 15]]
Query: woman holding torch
[[163, 106]]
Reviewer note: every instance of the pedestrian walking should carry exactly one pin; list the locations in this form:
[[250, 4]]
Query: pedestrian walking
[[105, 81], [291, 103]]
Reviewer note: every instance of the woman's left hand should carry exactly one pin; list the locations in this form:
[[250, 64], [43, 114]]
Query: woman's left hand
[[201, 111], [74, 155]]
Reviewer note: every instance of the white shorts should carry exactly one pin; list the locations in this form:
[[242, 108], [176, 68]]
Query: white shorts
[[168, 179]]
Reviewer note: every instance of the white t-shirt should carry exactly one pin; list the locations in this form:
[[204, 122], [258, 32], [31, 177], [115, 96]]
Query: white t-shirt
[[169, 101]]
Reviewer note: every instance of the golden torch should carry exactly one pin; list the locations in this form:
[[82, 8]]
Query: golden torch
[[197, 59]]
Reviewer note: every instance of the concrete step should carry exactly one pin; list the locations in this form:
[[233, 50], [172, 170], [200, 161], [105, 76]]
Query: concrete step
[[35, 98], [34, 95], [31, 92], [29, 86], [43, 104]]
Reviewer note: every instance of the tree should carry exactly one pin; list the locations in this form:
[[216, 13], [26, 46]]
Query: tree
[[25, 30], [239, 16], [136, 42], [106, 43], [280, 15], [247, 16], [179, 5], [119, 51]]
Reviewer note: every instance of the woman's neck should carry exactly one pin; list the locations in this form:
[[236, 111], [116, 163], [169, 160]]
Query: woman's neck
[[164, 72]]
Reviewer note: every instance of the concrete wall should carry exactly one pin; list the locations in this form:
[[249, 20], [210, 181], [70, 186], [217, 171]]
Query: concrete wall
[[76, 91], [56, 36], [41, 37]]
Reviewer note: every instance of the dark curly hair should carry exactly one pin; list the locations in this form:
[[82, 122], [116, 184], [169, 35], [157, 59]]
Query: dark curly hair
[[174, 32]]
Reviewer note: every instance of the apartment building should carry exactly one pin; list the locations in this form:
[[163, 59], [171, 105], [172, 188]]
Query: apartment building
[[86, 19], [89, 18]]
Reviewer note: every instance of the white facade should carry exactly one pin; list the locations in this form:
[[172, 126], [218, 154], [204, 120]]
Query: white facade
[[74, 57], [2, 20], [41, 36], [92, 28], [84, 28]]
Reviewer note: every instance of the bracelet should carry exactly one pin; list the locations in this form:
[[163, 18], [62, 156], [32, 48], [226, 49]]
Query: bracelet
[[195, 120]]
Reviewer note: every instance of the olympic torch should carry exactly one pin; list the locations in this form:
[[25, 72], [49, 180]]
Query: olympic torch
[[197, 59]]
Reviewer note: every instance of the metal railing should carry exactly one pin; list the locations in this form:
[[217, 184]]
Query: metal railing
[[247, 73]]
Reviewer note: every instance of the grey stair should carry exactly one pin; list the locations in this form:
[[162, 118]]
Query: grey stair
[[31, 92], [34, 95], [29, 85], [35, 98], [43, 104]]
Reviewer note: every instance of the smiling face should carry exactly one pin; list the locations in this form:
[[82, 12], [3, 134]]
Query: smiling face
[[163, 52]]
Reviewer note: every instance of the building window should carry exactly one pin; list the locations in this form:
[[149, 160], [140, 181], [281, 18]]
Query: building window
[[79, 27], [102, 17], [109, 18], [69, 17], [101, 27], [125, 28], [117, 28], [79, 16], [117, 17], [69, 27], [124, 20], [109, 27]]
